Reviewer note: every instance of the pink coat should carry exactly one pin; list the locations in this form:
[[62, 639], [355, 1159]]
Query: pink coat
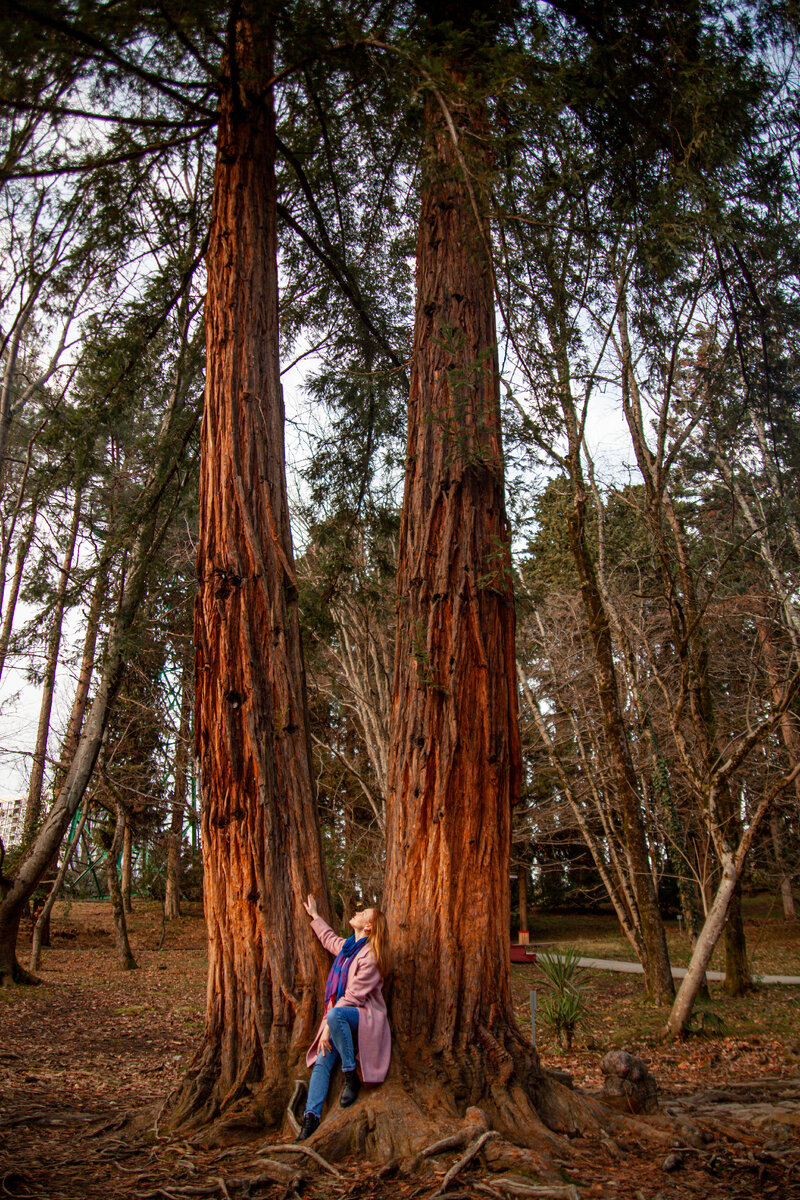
[[363, 990]]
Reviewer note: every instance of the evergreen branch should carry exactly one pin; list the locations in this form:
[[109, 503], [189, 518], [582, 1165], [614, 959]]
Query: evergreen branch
[[326, 141], [64, 110], [50, 20], [187, 43], [345, 284], [111, 160]]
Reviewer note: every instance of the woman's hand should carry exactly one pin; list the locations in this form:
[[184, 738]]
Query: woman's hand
[[325, 1043], [310, 905]]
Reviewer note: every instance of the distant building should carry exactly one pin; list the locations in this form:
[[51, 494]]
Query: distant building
[[12, 818]]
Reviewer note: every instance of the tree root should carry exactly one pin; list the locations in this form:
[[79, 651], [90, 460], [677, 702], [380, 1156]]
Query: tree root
[[274, 1172], [474, 1102], [657, 1128], [466, 1159], [19, 976], [456, 1141], [198, 1102], [288, 1148], [393, 1127], [521, 1187]]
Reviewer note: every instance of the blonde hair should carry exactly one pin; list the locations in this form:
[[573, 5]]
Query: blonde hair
[[379, 941]]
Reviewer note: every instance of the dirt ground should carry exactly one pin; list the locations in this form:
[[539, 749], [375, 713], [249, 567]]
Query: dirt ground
[[93, 1045]]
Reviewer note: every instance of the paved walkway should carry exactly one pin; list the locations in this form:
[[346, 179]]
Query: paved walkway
[[631, 968]]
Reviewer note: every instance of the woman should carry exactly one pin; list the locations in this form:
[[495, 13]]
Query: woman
[[353, 1005]]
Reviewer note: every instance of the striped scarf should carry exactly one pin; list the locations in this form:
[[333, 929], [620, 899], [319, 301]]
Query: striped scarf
[[337, 976]]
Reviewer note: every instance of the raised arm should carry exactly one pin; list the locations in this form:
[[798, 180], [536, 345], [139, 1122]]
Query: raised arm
[[329, 939], [322, 929]]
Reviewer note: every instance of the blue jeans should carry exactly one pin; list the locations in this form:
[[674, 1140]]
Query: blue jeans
[[343, 1023]]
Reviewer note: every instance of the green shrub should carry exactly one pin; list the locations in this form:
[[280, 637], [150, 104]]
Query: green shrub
[[562, 972], [564, 1009]]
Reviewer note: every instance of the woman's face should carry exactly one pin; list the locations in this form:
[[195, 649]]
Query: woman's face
[[362, 921]]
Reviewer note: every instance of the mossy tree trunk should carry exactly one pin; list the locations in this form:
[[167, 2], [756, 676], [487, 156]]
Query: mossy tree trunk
[[125, 957]]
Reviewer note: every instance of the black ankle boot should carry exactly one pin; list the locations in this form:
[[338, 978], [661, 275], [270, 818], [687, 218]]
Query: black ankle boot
[[350, 1090], [310, 1123]]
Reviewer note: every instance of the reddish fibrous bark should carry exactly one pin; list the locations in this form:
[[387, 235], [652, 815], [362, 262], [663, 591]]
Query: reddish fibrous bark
[[261, 844], [459, 1062], [455, 753]]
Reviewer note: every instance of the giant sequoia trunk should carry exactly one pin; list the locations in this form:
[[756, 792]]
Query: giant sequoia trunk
[[261, 844], [454, 770], [458, 1059], [455, 754]]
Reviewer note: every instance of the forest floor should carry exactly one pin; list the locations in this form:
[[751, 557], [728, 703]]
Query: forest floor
[[93, 1045]]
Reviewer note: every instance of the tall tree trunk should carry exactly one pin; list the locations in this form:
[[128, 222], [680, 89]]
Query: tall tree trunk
[[613, 871], [625, 785], [81, 696], [23, 546], [43, 920], [689, 632], [124, 953], [787, 898], [737, 968], [33, 808], [790, 733], [48, 839], [658, 975], [261, 842], [454, 770], [127, 865], [44, 847], [694, 980], [9, 521], [11, 355], [172, 894], [732, 863]]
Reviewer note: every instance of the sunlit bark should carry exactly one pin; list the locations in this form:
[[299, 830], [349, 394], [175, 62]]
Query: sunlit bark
[[261, 844]]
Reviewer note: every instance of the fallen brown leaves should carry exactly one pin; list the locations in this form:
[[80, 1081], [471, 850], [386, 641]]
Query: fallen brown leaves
[[93, 1045]]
